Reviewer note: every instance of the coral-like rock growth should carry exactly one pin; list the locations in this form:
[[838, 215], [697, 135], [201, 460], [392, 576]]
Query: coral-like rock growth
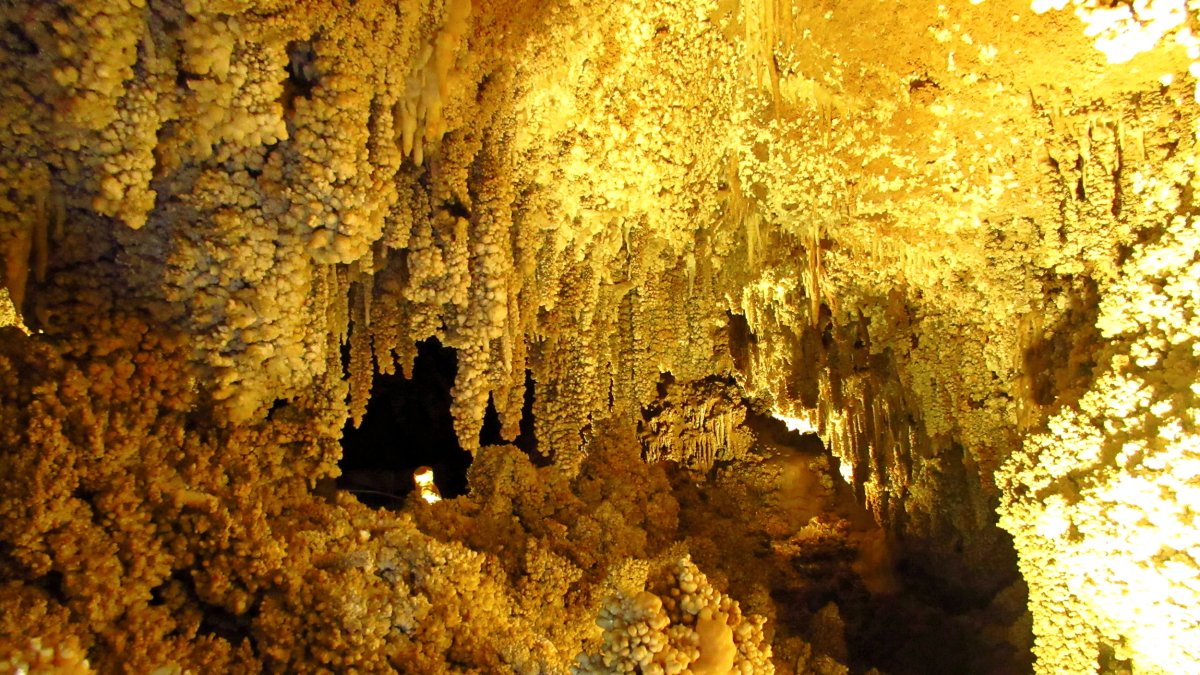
[[955, 237], [683, 625], [1102, 505]]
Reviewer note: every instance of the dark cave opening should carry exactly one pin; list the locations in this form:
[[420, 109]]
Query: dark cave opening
[[490, 434], [741, 341], [407, 425], [896, 616]]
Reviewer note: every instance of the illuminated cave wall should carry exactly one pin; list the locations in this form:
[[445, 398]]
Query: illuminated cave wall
[[954, 239]]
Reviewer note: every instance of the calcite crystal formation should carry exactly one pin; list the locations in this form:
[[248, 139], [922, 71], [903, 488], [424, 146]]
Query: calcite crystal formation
[[687, 627], [958, 238]]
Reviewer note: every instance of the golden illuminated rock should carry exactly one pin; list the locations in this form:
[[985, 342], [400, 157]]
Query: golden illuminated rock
[[957, 241]]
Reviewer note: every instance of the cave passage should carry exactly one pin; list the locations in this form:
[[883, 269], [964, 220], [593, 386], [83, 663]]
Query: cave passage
[[407, 425]]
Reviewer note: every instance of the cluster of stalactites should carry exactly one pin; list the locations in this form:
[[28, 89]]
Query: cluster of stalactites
[[296, 183], [697, 425], [248, 153]]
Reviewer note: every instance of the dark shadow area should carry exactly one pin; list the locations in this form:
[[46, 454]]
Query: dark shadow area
[[490, 434], [215, 621], [1059, 368], [897, 616], [741, 341], [905, 634], [407, 425], [665, 381]]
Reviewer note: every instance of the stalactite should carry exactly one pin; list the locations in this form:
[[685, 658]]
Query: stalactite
[[955, 249]]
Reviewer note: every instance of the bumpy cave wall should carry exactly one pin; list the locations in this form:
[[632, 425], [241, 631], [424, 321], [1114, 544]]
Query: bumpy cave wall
[[953, 238]]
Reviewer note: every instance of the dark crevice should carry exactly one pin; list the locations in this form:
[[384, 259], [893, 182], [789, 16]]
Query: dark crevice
[[663, 387], [301, 67], [491, 434], [183, 77], [407, 425], [276, 407], [457, 209], [215, 621], [271, 149], [220, 622], [302, 76], [1118, 193], [1110, 663], [742, 341], [52, 584], [1080, 192], [922, 82], [1060, 367], [17, 41], [481, 90]]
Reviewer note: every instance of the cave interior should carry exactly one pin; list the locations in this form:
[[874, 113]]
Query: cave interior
[[600, 336]]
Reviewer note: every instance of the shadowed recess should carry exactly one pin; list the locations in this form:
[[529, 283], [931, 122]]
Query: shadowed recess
[[407, 425]]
